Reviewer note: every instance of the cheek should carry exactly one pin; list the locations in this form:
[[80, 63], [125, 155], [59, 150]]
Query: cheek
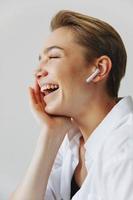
[[67, 74], [68, 71], [61, 71]]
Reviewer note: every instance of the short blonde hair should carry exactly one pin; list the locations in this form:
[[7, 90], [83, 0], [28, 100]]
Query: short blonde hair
[[99, 38]]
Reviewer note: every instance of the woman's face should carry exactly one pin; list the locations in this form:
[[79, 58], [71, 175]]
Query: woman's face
[[62, 62]]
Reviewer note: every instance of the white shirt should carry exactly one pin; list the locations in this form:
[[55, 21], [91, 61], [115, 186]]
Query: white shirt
[[108, 159]]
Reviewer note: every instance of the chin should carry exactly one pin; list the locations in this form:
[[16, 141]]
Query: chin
[[56, 110], [55, 105], [53, 110], [50, 110]]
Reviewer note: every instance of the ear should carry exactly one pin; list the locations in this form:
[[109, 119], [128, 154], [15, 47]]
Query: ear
[[104, 64]]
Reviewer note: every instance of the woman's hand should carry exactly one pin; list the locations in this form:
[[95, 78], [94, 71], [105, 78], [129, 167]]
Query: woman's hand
[[50, 122]]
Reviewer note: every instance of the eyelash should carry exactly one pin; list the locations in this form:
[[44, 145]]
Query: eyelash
[[50, 57]]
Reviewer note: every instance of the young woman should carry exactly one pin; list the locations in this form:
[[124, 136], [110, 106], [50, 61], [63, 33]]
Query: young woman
[[85, 148]]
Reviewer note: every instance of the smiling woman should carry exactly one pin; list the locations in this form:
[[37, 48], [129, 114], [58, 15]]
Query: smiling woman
[[84, 150]]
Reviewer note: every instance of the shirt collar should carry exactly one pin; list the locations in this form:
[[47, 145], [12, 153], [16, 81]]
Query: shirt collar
[[96, 139], [112, 119]]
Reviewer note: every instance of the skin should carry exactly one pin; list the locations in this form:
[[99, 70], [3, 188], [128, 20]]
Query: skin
[[87, 104], [70, 71]]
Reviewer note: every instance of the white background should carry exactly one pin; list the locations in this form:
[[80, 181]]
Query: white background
[[24, 25]]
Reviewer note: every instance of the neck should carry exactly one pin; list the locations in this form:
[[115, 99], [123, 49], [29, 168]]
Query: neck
[[92, 115]]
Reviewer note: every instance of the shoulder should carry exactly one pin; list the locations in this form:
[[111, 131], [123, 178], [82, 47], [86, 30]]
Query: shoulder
[[118, 180], [119, 144], [118, 163]]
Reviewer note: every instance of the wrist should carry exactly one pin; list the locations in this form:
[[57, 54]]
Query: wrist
[[50, 140]]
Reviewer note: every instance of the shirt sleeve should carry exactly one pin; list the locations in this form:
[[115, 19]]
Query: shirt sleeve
[[53, 186], [119, 181]]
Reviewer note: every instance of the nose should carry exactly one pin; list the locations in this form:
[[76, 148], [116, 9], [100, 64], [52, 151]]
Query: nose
[[40, 73]]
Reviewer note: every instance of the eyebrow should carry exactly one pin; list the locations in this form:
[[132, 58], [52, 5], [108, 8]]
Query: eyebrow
[[50, 48]]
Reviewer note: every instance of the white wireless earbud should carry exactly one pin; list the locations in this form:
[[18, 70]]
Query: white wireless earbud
[[90, 78]]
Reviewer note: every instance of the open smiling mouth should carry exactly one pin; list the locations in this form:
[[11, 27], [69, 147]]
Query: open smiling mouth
[[49, 88]]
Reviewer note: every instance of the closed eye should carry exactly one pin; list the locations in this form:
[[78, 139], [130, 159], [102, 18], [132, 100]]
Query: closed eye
[[52, 57]]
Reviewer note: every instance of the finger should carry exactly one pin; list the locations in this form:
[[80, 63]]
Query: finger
[[39, 114], [39, 96], [43, 102], [32, 97], [37, 91]]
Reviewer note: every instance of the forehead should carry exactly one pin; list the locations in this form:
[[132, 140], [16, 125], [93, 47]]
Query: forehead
[[60, 36], [65, 39]]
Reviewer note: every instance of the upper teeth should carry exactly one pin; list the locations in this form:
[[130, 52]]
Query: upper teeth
[[49, 86]]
